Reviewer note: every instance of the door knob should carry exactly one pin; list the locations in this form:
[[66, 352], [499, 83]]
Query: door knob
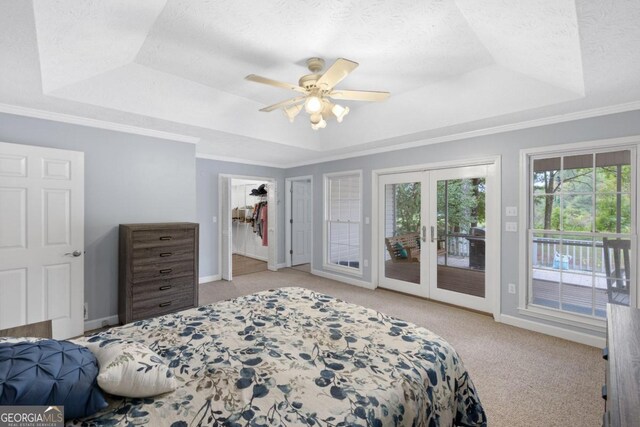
[[73, 254]]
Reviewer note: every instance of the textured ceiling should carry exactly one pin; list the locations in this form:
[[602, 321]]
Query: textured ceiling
[[452, 66]]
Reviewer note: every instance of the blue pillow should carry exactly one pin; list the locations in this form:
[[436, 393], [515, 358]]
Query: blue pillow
[[401, 252], [50, 372]]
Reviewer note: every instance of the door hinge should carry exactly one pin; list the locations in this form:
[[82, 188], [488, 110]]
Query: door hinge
[[291, 221], [290, 251]]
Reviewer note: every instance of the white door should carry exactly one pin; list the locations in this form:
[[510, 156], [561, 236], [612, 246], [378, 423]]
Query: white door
[[462, 212], [437, 230], [42, 238], [404, 218], [300, 222], [225, 227]]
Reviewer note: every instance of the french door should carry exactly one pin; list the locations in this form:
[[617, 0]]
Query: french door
[[436, 232]]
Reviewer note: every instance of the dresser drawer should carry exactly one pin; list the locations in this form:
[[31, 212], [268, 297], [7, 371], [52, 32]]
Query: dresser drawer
[[165, 287], [165, 270], [162, 254], [160, 238], [162, 305]]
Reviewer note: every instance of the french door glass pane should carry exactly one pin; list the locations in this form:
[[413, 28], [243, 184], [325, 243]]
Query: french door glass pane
[[461, 235], [402, 231]]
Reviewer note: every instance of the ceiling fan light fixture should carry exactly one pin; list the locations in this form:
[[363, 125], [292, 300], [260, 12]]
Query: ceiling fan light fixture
[[318, 91], [292, 112], [339, 111], [315, 118], [313, 104], [320, 125]]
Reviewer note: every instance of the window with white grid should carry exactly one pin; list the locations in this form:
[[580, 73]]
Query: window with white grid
[[343, 212], [581, 231]]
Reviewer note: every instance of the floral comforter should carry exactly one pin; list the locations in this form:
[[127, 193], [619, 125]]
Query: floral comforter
[[292, 356]]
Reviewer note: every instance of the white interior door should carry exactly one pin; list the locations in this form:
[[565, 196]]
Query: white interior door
[[42, 238], [226, 269], [300, 222]]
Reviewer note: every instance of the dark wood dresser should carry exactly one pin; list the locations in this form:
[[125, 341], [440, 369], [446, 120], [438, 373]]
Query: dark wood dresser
[[158, 269], [622, 353]]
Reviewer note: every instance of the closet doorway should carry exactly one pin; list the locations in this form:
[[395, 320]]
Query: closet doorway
[[299, 222], [248, 225]]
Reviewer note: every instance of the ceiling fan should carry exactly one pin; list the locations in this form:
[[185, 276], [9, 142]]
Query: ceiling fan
[[317, 90]]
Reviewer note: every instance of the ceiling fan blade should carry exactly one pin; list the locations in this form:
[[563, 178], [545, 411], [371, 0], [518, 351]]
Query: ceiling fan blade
[[283, 104], [336, 73], [359, 95], [271, 82]]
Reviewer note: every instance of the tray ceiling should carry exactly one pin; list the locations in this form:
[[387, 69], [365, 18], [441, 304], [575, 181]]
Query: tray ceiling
[[452, 66]]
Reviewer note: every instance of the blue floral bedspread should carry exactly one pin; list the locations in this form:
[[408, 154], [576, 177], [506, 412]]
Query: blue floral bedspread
[[292, 356]]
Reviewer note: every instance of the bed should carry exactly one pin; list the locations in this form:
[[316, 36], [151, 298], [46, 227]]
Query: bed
[[292, 356]]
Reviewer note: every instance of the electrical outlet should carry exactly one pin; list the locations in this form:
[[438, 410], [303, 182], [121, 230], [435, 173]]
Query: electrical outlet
[[511, 211], [366, 263], [215, 219], [86, 311], [511, 226], [512, 288]]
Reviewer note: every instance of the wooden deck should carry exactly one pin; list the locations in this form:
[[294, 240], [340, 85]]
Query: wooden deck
[[462, 280], [405, 271], [575, 298]]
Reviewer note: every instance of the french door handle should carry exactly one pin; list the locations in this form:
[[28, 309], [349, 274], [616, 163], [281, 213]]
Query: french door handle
[[433, 234], [424, 233]]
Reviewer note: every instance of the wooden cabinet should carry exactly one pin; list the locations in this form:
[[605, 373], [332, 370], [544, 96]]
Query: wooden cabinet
[[622, 383], [158, 269]]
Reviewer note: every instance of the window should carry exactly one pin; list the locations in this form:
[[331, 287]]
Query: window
[[580, 229], [343, 228]]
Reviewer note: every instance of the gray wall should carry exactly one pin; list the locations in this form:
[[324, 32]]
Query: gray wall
[[128, 178], [506, 145], [207, 191]]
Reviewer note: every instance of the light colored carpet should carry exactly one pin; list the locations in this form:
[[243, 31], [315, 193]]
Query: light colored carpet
[[523, 378]]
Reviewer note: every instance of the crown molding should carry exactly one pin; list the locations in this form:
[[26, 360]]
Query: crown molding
[[238, 160], [561, 118], [94, 123], [101, 124]]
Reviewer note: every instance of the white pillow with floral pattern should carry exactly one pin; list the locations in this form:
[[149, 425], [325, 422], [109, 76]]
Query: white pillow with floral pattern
[[131, 369]]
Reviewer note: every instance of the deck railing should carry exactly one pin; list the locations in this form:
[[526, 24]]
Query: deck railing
[[576, 255]]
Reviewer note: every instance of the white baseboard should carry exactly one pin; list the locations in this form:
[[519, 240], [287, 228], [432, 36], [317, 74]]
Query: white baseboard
[[282, 265], [554, 331], [207, 279], [90, 325], [343, 279]]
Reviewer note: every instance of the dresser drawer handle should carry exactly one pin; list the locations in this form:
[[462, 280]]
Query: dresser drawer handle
[[604, 392], [166, 271], [164, 288], [605, 353], [165, 304], [165, 254], [166, 237]]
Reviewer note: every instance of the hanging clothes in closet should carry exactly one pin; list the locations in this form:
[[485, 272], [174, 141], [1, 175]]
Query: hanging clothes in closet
[[260, 222], [265, 225]]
